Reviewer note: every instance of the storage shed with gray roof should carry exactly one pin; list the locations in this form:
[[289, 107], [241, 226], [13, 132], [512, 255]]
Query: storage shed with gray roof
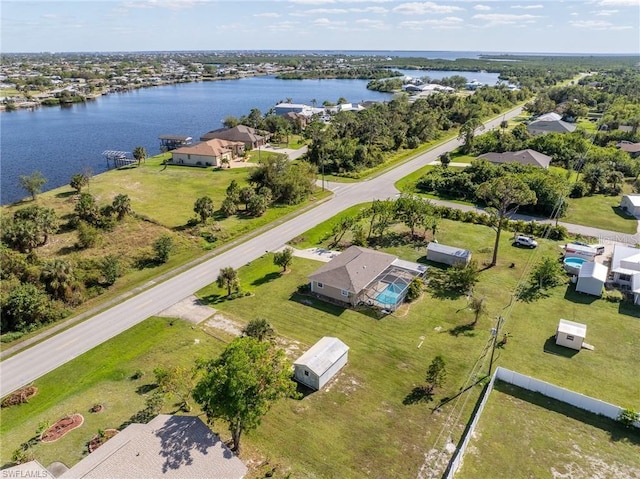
[[321, 362], [440, 253]]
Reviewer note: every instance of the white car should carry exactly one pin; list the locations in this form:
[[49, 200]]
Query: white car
[[528, 241]]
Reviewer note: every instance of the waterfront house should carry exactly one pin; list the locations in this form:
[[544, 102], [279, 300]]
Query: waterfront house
[[207, 153], [251, 137], [364, 276]]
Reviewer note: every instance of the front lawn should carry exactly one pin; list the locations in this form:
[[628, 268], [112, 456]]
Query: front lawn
[[600, 211]]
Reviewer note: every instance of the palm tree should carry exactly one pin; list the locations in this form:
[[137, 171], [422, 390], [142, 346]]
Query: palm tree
[[121, 205], [140, 154], [228, 278], [58, 277], [478, 306]]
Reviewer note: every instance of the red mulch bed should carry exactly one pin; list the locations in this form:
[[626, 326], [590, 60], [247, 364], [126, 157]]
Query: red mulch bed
[[62, 427], [20, 396], [97, 441]]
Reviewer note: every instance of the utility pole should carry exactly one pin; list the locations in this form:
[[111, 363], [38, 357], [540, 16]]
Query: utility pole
[[494, 332], [322, 165]]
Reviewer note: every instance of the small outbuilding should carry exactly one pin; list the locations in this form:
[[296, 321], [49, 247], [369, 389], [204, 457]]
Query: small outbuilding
[[591, 278], [571, 334], [630, 204], [321, 362], [440, 253]]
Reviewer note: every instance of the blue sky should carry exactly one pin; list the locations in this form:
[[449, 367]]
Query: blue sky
[[568, 26]]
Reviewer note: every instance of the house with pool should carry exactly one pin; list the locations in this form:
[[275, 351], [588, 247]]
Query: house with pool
[[361, 276]]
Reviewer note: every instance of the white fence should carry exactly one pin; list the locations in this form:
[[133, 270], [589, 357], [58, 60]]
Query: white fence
[[531, 384]]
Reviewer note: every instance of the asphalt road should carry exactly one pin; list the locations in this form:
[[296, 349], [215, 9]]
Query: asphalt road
[[30, 364]]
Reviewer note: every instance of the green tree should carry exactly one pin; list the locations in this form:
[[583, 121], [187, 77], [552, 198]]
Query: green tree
[[233, 191], [29, 228], [58, 277], [462, 277], [32, 183], [88, 236], [596, 177], [245, 195], [478, 306], [415, 289], [121, 206], [242, 384], [343, 225], [230, 122], [25, 306], [445, 159], [283, 258], [87, 209], [257, 205], [228, 278], [436, 373], [162, 247], [140, 154], [177, 381], [203, 207], [79, 181], [260, 329], [547, 273], [381, 215], [503, 196], [468, 133], [412, 210], [228, 207], [111, 269]]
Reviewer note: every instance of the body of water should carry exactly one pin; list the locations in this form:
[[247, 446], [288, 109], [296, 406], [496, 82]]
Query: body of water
[[62, 141]]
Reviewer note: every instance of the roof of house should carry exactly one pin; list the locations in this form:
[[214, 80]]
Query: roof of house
[[593, 270], [551, 126], [551, 116], [237, 133], [629, 147], [625, 260], [524, 157], [322, 355], [633, 199], [572, 328], [353, 269], [215, 148], [450, 250], [167, 447]]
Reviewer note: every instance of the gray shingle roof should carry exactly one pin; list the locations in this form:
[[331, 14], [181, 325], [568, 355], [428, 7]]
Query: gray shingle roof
[[241, 133], [353, 269], [173, 447], [557, 126], [524, 157]]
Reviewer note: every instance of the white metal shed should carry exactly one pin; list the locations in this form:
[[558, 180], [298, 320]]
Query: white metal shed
[[440, 253], [321, 362], [631, 204], [571, 334], [591, 278]]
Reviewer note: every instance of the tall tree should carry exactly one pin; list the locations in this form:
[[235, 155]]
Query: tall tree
[[177, 381], [162, 247], [33, 183], [504, 195], [58, 277], [478, 306], [436, 373], [412, 210], [468, 133], [445, 159], [242, 384], [228, 278], [79, 181], [140, 154]]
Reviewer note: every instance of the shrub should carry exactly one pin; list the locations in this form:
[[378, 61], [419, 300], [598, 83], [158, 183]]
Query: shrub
[[579, 189], [415, 289], [88, 236], [627, 417]]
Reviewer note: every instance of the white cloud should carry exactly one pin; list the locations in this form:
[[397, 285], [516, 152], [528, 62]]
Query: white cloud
[[604, 13], [423, 8], [325, 22], [338, 11], [482, 8], [369, 10], [574, 14], [50, 15], [447, 22], [526, 7], [327, 11], [312, 2], [371, 24], [169, 4], [597, 25], [267, 15], [283, 26], [619, 3], [493, 19]]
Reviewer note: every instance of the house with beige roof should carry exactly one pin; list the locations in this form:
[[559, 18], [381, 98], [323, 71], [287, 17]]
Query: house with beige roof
[[523, 157], [251, 137], [171, 447], [207, 153], [361, 276]]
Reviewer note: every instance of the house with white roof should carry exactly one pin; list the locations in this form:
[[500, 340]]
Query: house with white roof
[[550, 123], [321, 362], [625, 268], [630, 204]]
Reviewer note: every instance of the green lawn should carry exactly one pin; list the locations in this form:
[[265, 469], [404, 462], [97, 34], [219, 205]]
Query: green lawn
[[600, 211], [525, 434]]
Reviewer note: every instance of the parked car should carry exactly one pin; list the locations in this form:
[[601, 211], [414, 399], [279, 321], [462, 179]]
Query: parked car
[[527, 241]]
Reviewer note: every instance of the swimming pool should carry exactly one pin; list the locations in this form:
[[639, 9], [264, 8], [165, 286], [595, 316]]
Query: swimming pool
[[390, 295], [573, 265]]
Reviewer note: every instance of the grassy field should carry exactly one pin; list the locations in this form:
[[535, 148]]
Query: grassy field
[[600, 211], [358, 426], [525, 434]]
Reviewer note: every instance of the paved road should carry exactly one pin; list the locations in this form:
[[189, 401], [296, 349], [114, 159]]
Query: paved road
[[34, 362]]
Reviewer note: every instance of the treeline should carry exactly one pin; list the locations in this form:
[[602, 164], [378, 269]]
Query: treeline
[[350, 73], [355, 141]]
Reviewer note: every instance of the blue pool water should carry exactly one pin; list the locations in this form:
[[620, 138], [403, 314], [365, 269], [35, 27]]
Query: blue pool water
[[575, 262], [390, 294]]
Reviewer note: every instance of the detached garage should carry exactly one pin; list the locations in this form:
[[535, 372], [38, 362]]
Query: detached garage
[[440, 253], [630, 204], [321, 362], [571, 334], [591, 278]]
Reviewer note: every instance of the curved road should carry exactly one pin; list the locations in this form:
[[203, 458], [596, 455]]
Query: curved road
[[30, 364]]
